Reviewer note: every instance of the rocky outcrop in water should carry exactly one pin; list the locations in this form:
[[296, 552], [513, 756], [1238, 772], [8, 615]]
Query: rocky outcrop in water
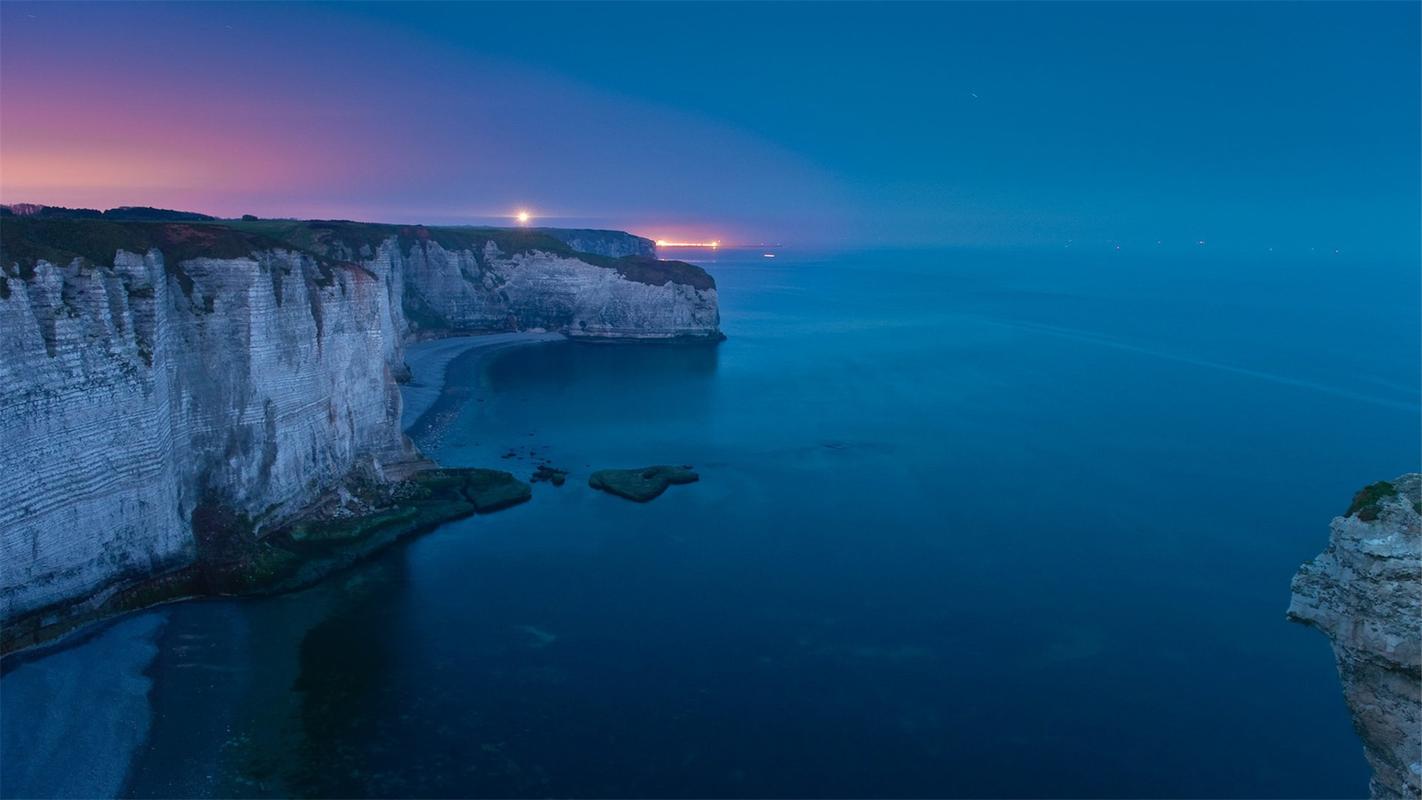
[[643, 484], [154, 372], [1365, 593]]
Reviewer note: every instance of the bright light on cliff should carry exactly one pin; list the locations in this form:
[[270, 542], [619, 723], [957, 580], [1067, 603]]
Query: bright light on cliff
[[523, 217]]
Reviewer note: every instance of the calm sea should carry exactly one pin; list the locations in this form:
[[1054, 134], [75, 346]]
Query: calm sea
[[968, 524]]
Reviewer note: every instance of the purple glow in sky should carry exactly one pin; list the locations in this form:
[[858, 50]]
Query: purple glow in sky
[[1291, 126], [314, 112]]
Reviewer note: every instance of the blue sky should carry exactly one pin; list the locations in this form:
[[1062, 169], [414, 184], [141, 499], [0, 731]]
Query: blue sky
[[1286, 125]]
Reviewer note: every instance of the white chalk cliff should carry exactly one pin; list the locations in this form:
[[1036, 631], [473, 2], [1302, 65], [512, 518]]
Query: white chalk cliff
[[149, 368], [1365, 593]]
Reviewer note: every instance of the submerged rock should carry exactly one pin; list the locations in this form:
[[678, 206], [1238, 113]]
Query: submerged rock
[[641, 484], [1365, 593], [552, 475]]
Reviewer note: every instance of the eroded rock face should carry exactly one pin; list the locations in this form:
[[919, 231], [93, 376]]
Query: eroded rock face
[[153, 370], [131, 393], [613, 244], [1365, 593], [488, 289]]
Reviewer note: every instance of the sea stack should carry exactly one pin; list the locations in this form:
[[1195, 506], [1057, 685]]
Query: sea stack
[[1364, 591]]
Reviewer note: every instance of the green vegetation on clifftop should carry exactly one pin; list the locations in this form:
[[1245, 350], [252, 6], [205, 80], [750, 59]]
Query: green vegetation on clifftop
[[1367, 502], [25, 240]]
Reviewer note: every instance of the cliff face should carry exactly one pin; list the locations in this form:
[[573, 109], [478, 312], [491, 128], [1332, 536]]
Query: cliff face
[[1365, 593], [134, 392], [152, 370], [470, 280], [489, 289], [613, 244]]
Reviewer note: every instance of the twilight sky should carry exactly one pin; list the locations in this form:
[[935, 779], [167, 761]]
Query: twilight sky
[[1287, 125]]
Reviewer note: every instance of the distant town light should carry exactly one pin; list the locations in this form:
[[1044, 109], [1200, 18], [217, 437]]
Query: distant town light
[[712, 244]]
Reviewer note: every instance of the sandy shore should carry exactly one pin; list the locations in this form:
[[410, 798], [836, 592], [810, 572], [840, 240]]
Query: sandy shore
[[428, 361]]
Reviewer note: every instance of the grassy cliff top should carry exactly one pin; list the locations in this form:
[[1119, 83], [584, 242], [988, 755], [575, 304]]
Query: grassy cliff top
[[144, 213], [24, 240], [27, 240], [332, 236]]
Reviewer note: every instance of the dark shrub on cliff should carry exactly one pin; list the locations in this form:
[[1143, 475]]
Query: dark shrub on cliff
[[1366, 502]]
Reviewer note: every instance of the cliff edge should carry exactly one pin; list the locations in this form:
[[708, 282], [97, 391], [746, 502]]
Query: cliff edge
[[159, 373], [1364, 592]]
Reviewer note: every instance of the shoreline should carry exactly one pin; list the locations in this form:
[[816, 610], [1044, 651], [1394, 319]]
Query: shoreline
[[428, 361], [63, 666]]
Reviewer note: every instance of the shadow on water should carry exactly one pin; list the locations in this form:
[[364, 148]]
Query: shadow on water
[[413, 691], [236, 709], [633, 364], [592, 378], [345, 661]]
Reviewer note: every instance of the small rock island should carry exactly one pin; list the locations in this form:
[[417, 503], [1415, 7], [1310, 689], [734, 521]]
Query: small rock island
[[547, 474], [642, 484]]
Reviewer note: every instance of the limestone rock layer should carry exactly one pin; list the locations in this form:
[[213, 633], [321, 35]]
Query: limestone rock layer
[[1364, 591], [198, 363]]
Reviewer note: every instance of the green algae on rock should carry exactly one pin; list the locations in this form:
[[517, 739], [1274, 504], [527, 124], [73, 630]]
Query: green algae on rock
[[548, 474], [233, 559], [492, 490], [642, 484]]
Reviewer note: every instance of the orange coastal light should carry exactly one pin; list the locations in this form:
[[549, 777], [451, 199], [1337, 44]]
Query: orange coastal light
[[712, 244]]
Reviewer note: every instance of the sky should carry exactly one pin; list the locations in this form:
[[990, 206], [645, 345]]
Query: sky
[[1286, 125]]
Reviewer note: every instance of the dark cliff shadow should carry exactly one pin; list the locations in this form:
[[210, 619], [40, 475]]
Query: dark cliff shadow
[[664, 377]]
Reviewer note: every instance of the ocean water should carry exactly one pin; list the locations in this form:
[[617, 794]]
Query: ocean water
[[969, 524]]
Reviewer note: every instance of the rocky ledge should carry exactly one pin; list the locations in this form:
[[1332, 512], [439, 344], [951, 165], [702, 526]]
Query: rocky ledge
[[235, 557], [1364, 592]]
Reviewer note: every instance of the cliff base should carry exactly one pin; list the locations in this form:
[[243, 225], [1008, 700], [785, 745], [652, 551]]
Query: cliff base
[[234, 559]]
